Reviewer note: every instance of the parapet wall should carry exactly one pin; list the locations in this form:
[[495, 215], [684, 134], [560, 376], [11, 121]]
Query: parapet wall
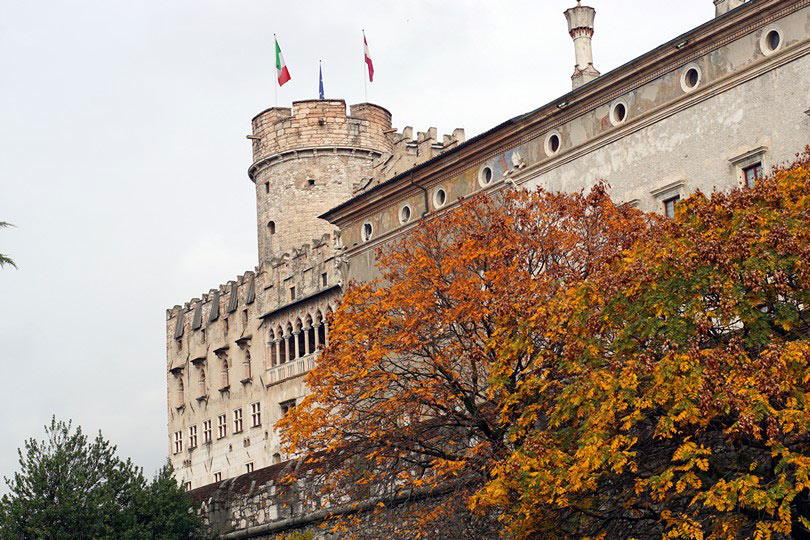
[[321, 123]]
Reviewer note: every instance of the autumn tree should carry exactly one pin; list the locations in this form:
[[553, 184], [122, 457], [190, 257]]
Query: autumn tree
[[402, 401], [677, 405]]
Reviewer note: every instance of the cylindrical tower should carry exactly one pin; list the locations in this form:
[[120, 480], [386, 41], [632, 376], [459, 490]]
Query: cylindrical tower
[[306, 161], [580, 28]]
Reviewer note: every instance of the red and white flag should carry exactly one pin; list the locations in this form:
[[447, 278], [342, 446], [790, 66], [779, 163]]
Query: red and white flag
[[281, 68], [369, 64]]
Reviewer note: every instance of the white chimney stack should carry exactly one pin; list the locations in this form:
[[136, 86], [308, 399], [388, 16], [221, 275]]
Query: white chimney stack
[[580, 27], [724, 6]]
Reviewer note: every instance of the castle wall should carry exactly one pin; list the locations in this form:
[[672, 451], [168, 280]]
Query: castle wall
[[241, 325], [749, 106]]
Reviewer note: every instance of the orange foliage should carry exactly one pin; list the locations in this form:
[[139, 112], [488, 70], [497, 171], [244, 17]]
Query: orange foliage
[[564, 367]]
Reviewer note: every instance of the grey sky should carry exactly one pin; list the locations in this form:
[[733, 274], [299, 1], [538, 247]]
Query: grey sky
[[123, 159]]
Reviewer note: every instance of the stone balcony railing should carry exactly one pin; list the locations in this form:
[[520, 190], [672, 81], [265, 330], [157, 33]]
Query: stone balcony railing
[[292, 369]]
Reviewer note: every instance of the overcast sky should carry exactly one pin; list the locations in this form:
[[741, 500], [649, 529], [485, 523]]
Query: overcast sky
[[123, 159]]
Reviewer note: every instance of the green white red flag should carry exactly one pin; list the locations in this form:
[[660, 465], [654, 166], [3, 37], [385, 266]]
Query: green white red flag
[[282, 72]]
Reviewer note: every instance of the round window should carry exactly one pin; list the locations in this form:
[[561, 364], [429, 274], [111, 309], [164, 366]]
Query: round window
[[368, 231], [485, 176], [553, 144], [690, 79], [774, 40], [618, 114], [404, 214], [771, 41], [439, 198]]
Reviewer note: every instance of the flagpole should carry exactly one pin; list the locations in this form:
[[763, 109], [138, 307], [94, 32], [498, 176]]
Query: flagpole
[[275, 90], [365, 84]]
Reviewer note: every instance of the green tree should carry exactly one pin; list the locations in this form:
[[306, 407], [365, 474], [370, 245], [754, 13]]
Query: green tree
[[71, 487], [5, 259]]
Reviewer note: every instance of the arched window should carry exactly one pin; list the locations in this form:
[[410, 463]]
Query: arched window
[[247, 373], [321, 330], [271, 348], [181, 397], [226, 380], [289, 340], [300, 337], [282, 346], [202, 383], [310, 335], [326, 324]]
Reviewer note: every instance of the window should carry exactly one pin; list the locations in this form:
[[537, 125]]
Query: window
[[286, 406], [618, 113], [207, 431], [771, 41], [404, 214], [203, 391], [267, 187], [311, 181], [178, 442], [324, 279], [367, 232], [271, 226], [187, 486], [192, 437], [181, 399], [246, 371], [292, 293], [669, 206], [249, 467], [256, 414], [226, 382], [752, 174], [218, 476], [237, 421], [485, 176], [276, 458], [552, 144], [222, 426], [439, 198]]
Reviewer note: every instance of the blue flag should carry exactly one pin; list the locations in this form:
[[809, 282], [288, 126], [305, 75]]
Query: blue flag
[[320, 81]]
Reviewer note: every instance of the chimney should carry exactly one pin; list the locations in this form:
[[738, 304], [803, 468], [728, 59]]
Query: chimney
[[580, 27], [724, 6]]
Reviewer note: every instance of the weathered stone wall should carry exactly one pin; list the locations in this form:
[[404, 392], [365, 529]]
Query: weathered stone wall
[[242, 325], [749, 105], [307, 160]]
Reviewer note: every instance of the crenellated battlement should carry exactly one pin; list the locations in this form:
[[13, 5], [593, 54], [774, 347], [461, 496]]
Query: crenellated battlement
[[408, 152], [319, 124], [267, 285]]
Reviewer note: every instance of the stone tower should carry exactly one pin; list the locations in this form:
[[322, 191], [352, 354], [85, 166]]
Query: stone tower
[[580, 28], [307, 160]]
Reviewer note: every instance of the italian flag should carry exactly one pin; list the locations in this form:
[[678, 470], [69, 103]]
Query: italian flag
[[281, 68]]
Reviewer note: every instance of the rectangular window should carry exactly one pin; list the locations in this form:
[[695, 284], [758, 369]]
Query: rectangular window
[[207, 431], [752, 174], [249, 467], [188, 486], [192, 437], [237, 421], [222, 426], [286, 406], [323, 279], [178, 442], [217, 477], [669, 206], [256, 414], [292, 293]]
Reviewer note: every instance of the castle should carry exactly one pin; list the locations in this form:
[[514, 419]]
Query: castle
[[715, 108]]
